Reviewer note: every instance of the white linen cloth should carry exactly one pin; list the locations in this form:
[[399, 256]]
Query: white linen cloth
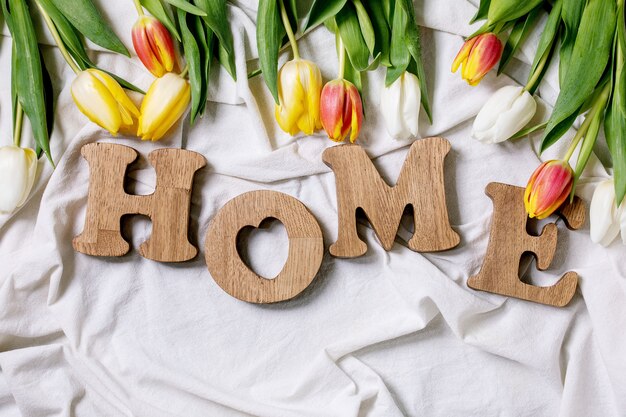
[[388, 334]]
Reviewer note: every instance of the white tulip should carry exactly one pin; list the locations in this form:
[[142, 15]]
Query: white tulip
[[605, 217], [400, 106], [18, 167], [504, 114]]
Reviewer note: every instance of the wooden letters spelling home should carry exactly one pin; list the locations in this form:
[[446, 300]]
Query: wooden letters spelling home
[[420, 185]]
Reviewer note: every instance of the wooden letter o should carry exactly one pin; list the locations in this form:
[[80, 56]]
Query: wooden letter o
[[306, 247]]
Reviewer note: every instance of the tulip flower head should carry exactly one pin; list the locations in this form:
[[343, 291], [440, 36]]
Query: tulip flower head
[[504, 114], [606, 218], [548, 188], [299, 87], [103, 100], [165, 102], [18, 167], [341, 110], [154, 45], [400, 106], [477, 57]]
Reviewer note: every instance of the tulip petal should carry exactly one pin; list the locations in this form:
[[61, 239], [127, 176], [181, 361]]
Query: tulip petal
[[461, 56], [143, 48], [485, 54], [165, 102], [333, 108], [161, 44], [391, 110], [356, 117], [603, 214], [18, 168], [411, 99], [96, 102], [117, 91]]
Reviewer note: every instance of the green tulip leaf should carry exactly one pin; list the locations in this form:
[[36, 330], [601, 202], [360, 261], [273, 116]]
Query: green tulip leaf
[[615, 121], [591, 49], [194, 61], [156, 9], [501, 11], [217, 20], [227, 61], [548, 37], [85, 17], [270, 32], [571, 15], [322, 10], [186, 6], [382, 33], [29, 78], [412, 38], [367, 29], [482, 11], [350, 32], [518, 35], [398, 50]]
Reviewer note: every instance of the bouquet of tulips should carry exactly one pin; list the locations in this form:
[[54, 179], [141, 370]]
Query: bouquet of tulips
[[591, 40], [368, 33], [102, 96]]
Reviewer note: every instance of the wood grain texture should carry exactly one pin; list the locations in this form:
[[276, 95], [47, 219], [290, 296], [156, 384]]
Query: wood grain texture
[[306, 247], [167, 207], [420, 184], [509, 239]]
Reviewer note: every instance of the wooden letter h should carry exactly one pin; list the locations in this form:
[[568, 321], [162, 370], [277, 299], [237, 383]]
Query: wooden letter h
[[167, 207]]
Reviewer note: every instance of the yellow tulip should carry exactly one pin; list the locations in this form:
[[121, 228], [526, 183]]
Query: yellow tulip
[[299, 90], [103, 100], [165, 102]]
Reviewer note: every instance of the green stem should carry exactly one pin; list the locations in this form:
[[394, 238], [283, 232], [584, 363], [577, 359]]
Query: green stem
[[57, 39], [287, 25], [185, 71], [536, 76], [138, 7], [342, 58], [17, 131], [598, 105]]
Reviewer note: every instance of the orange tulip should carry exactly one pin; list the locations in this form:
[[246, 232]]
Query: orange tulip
[[548, 188], [341, 110], [477, 57], [154, 45]]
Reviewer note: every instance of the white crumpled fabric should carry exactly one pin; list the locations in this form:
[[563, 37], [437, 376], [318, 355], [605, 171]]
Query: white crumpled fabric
[[388, 334]]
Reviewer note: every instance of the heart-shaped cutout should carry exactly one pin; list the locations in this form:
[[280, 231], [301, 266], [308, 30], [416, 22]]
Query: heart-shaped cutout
[[264, 249]]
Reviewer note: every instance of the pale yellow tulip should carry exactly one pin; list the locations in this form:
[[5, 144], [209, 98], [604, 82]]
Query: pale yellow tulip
[[299, 90], [103, 100], [165, 102]]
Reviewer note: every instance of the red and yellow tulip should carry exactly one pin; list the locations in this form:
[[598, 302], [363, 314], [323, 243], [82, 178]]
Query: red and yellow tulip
[[548, 188], [341, 110], [299, 87], [477, 57], [154, 45]]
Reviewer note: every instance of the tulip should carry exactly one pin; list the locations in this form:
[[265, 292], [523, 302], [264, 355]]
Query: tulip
[[165, 102], [504, 114], [477, 56], [103, 100], [341, 110], [299, 86], [548, 188], [605, 217], [18, 167], [154, 45], [400, 106]]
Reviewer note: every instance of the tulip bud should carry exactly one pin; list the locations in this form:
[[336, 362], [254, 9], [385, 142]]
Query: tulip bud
[[400, 106], [548, 188], [605, 217], [341, 110], [18, 167], [299, 86], [153, 45], [103, 100], [165, 102], [477, 57], [504, 114]]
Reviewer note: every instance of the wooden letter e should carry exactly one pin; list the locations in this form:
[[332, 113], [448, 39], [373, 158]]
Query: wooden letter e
[[420, 184], [167, 207]]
